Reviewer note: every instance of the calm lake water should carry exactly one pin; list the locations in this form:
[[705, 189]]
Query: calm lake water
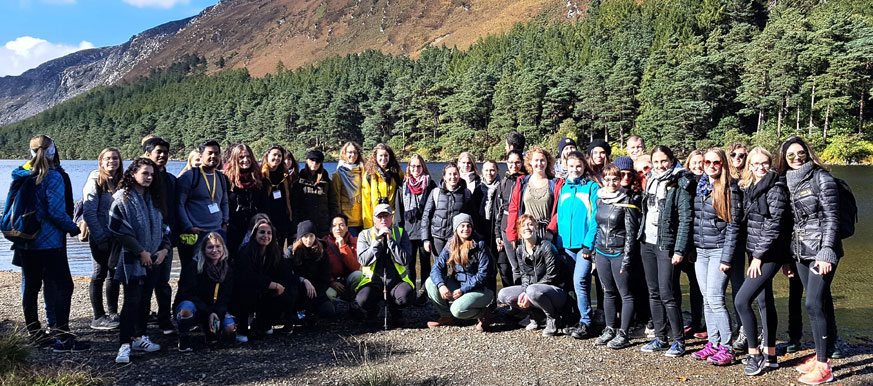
[[851, 287]]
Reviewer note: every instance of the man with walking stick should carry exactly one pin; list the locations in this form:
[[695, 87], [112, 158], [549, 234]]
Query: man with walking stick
[[383, 251]]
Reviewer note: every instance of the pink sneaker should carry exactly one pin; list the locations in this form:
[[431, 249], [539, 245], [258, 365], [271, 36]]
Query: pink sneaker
[[722, 357], [704, 354]]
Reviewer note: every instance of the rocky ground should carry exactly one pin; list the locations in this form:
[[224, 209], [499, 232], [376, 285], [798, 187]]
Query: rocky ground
[[343, 352]]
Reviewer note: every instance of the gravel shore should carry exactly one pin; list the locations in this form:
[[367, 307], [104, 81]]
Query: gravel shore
[[344, 352]]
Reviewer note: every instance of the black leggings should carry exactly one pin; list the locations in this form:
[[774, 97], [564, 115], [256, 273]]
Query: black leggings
[[137, 301], [795, 306], [102, 273], [615, 285], [760, 287], [423, 262], [661, 277], [399, 296], [695, 296], [820, 307]]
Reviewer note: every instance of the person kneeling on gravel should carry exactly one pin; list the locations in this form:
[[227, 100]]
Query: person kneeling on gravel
[[456, 286], [383, 251], [543, 275]]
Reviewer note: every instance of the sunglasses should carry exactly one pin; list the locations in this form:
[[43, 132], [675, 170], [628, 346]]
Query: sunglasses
[[800, 155], [713, 163], [738, 155], [626, 173]]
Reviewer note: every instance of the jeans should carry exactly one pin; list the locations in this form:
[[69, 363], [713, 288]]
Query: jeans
[[48, 298], [103, 273], [819, 306], [49, 265], [713, 283], [640, 291], [350, 282], [661, 277], [471, 305], [185, 324], [137, 301], [760, 287], [581, 284], [616, 290], [544, 297], [423, 262]]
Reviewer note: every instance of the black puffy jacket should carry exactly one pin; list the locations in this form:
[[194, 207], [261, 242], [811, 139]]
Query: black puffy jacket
[[711, 232], [543, 266], [442, 206], [501, 202], [314, 201], [676, 213], [816, 216], [767, 218], [617, 227], [209, 296]]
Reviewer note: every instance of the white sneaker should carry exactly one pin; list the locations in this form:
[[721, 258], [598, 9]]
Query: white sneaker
[[269, 332], [242, 338], [524, 322], [145, 344], [123, 354]]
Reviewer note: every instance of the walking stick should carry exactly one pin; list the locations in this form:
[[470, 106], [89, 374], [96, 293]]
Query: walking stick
[[385, 292]]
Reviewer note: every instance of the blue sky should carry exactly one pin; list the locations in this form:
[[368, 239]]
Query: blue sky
[[34, 31]]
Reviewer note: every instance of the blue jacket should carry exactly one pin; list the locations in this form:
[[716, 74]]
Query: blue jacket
[[471, 277], [576, 203], [50, 210]]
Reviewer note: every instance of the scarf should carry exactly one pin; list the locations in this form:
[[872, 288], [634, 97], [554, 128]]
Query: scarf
[[704, 186], [216, 272], [471, 178], [656, 185], [489, 196], [611, 198], [350, 175], [795, 177], [416, 186], [246, 180], [137, 217], [756, 194]]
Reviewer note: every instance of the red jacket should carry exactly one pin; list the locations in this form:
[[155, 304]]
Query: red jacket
[[515, 205], [344, 259]]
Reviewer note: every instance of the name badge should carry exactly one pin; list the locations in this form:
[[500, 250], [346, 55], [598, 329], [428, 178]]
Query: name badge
[[213, 208], [277, 194]]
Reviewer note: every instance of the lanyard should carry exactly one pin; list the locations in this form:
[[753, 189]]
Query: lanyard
[[213, 188], [274, 186], [215, 296]]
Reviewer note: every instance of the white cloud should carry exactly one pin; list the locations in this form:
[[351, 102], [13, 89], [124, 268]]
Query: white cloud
[[166, 4], [24, 53]]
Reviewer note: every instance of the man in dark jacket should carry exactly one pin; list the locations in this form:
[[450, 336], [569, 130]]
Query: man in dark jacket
[[158, 150]]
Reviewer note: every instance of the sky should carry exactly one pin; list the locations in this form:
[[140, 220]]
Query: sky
[[35, 31]]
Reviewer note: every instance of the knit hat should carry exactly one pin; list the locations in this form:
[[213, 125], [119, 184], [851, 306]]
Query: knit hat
[[564, 143], [315, 155], [304, 228], [459, 219], [624, 163], [601, 144]]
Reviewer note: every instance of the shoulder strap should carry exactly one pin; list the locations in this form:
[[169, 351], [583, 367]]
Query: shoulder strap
[[630, 206]]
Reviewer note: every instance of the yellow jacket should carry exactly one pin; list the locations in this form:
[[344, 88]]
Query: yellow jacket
[[349, 206], [373, 188]]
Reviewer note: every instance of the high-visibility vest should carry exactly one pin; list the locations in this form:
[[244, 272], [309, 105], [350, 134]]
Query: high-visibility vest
[[368, 270]]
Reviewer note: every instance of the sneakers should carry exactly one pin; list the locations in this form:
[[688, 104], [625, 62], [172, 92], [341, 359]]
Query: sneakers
[[167, 328], [104, 323], [70, 345], [708, 351], [650, 330], [532, 324], [443, 321], [701, 335], [620, 341], [741, 345], [605, 337], [242, 338], [123, 354], [808, 365], [654, 345], [676, 350], [551, 327], [580, 332], [525, 322], [793, 346], [484, 321], [723, 357], [755, 365], [144, 344], [40, 338], [818, 375], [185, 343]]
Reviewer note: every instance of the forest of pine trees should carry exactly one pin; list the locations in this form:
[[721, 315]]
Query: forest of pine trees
[[683, 73]]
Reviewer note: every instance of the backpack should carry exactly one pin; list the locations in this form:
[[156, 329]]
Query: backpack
[[79, 219], [848, 208], [19, 223]]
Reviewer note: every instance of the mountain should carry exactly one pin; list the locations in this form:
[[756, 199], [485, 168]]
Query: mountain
[[260, 34]]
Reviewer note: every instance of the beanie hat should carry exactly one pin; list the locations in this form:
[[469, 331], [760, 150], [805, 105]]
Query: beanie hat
[[601, 144], [564, 143], [624, 163], [304, 228], [315, 155], [459, 219]]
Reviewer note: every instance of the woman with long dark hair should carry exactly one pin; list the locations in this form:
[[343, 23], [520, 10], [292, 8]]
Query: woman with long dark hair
[[245, 192], [278, 181], [96, 200], [381, 185], [137, 220], [347, 180]]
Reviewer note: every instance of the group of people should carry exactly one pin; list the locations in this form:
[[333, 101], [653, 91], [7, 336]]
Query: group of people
[[270, 243]]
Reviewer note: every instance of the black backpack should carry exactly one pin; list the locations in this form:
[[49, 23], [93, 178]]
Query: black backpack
[[19, 223], [848, 208]]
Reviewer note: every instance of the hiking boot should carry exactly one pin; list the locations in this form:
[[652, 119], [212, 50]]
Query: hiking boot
[[676, 350], [620, 340], [144, 344], [123, 354], [551, 327], [184, 343], [605, 337], [580, 332], [442, 321], [104, 323], [654, 345], [704, 354], [722, 357], [484, 321], [818, 375], [70, 345], [755, 365], [741, 345], [793, 346]]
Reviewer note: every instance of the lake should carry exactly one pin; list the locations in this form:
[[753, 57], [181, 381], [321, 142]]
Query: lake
[[851, 286]]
